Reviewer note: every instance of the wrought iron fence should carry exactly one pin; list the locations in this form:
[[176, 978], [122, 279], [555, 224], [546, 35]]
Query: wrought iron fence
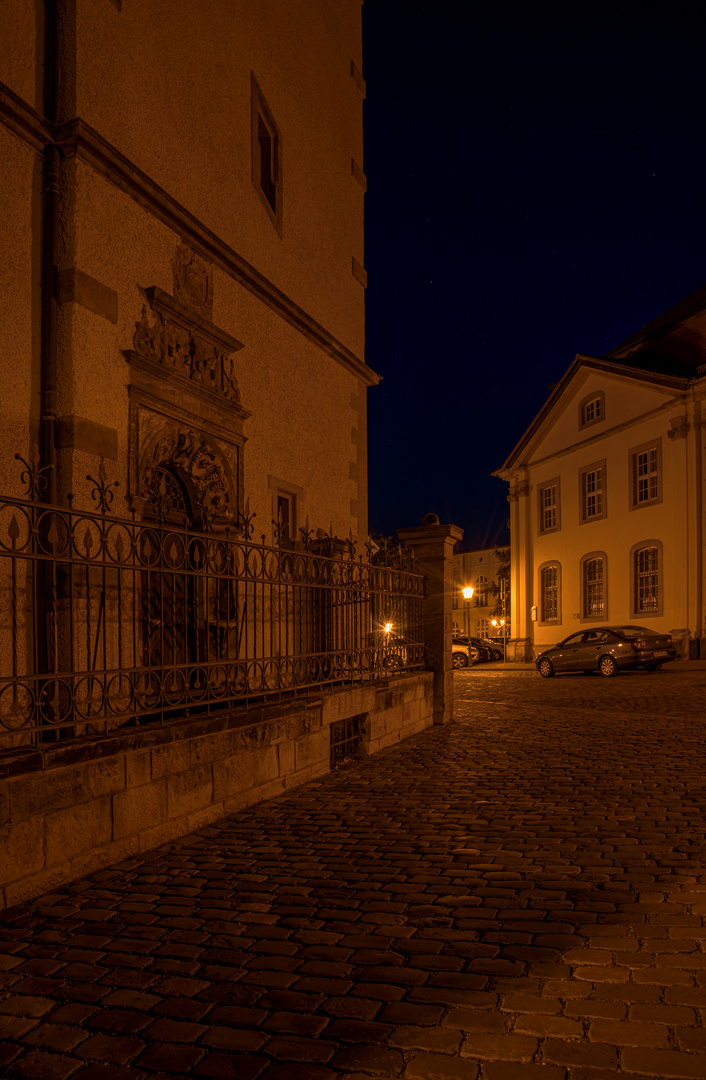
[[108, 620]]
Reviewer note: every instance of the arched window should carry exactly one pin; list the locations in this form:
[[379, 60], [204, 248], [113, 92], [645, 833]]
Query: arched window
[[483, 628], [646, 587], [594, 593], [550, 593]]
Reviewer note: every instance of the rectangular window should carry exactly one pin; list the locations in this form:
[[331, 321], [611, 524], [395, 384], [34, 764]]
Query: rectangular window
[[285, 515], [592, 409], [266, 157], [593, 502], [647, 580], [646, 474], [549, 590], [549, 507]]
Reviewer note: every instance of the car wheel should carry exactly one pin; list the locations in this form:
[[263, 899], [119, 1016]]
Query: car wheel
[[652, 667], [497, 656], [460, 660], [607, 666], [546, 669]]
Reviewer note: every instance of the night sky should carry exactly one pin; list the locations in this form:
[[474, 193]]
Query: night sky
[[536, 188]]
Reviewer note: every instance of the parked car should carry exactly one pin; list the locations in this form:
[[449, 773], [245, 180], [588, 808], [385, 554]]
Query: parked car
[[487, 650], [496, 648], [607, 650], [464, 654]]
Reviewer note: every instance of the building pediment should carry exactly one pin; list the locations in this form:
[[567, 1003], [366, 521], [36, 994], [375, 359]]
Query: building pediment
[[594, 397]]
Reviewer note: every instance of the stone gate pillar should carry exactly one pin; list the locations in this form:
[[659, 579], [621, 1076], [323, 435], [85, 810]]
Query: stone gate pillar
[[433, 546]]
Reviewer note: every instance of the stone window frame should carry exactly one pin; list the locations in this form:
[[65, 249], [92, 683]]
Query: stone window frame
[[590, 556], [541, 621], [262, 118], [584, 518], [599, 414], [633, 452], [541, 488], [657, 612], [282, 489]]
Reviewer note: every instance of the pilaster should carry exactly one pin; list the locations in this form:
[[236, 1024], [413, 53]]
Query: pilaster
[[433, 546]]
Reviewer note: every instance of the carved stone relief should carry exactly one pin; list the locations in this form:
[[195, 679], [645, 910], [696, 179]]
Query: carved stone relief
[[186, 353], [198, 457], [193, 281], [185, 408]]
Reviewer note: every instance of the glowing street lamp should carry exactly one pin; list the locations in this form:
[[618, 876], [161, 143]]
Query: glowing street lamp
[[468, 596]]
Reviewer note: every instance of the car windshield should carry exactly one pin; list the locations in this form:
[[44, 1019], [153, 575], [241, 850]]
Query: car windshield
[[633, 632]]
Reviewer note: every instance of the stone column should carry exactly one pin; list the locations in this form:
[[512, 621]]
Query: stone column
[[433, 546]]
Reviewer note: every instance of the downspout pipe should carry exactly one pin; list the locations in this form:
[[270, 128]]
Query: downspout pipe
[[50, 247]]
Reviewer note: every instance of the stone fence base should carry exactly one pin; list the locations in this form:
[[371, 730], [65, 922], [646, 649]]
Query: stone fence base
[[68, 809]]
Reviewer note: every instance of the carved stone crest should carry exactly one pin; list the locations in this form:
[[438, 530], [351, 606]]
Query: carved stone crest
[[193, 281]]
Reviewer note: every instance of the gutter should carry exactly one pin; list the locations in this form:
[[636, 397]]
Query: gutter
[[50, 247]]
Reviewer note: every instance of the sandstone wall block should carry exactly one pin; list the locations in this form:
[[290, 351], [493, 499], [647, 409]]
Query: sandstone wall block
[[22, 847], [78, 829], [41, 792], [189, 791], [138, 768], [105, 776], [254, 795], [312, 750], [243, 771], [139, 808], [170, 759]]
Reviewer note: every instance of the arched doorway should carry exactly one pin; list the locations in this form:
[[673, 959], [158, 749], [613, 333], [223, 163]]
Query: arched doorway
[[171, 551]]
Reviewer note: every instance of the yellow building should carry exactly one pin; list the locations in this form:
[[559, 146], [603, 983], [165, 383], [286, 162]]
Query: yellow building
[[606, 492], [479, 569]]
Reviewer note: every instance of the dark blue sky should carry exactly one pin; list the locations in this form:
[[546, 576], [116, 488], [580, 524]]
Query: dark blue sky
[[536, 178]]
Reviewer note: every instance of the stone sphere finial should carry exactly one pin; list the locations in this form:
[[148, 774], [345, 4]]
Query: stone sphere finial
[[430, 519]]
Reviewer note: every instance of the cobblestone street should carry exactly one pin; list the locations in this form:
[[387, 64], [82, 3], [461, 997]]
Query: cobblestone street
[[518, 895]]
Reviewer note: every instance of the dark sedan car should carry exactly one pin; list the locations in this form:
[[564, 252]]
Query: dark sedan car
[[484, 650], [607, 650]]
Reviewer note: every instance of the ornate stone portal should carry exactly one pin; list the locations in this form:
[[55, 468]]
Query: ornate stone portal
[[185, 408]]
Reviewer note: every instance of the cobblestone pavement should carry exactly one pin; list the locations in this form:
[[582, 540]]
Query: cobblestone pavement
[[518, 895]]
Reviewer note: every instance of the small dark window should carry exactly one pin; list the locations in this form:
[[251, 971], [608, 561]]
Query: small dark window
[[268, 163], [345, 739], [284, 516], [266, 157]]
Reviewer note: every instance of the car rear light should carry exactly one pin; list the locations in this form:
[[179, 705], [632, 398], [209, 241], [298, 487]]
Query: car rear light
[[635, 645], [669, 639], [641, 643]]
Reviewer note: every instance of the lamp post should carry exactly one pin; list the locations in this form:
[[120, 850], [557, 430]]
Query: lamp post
[[468, 596]]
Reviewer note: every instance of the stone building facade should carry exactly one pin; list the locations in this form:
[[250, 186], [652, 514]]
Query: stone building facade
[[607, 492], [182, 355], [202, 182]]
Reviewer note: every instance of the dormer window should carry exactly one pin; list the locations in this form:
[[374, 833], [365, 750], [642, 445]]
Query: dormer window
[[592, 409]]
